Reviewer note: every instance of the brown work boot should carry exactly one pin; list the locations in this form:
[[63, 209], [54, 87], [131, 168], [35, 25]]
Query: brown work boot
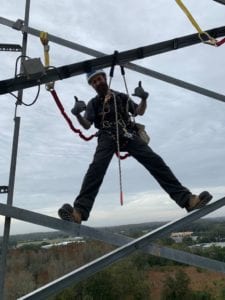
[[76, 216], [196, 202], [68, 213]]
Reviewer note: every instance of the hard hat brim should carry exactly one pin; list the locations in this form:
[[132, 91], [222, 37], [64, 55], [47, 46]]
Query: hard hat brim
[[93, 74]]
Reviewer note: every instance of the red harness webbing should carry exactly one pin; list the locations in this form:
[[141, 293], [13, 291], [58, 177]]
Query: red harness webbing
[[218, 43], [61, 108]]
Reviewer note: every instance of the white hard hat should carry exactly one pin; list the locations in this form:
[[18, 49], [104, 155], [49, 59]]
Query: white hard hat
[[91, 74]]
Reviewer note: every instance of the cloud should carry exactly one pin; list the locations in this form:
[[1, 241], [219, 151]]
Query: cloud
[[186, 129]]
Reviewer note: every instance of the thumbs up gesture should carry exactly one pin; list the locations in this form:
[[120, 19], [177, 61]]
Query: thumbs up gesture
[[140, 92], [79, 106]]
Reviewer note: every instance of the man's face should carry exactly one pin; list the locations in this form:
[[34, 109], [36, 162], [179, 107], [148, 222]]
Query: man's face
[[98, 82]]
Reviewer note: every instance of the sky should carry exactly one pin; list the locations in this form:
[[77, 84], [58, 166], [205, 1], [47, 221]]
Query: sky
[[186, 129]]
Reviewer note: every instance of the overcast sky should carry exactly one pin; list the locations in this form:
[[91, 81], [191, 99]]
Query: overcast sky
[[186, 129]]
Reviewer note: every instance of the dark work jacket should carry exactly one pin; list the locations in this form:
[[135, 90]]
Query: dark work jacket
[[94, 112]]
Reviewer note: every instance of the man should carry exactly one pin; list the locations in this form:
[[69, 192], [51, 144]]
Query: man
[[110, 112]]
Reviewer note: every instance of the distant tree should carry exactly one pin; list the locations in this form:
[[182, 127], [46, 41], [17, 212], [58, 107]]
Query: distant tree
[[167, 241], [176, 287], [222, 293], [121, 281], [19, 283], [187, 240], [130, 280], [202, 295], [213, 252]]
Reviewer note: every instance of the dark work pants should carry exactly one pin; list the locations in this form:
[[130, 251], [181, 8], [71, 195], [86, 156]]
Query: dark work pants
[[141, 152]]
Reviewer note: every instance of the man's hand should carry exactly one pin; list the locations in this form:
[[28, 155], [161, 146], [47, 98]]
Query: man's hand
[[79, 106], [140, 92]]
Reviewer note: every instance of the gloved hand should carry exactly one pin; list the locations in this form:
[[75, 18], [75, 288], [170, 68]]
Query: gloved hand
[[79, 106], [140, 92]]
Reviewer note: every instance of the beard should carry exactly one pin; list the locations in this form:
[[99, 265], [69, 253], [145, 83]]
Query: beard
[[102, 89]]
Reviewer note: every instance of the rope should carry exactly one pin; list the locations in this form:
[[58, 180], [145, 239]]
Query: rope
[[126, 88], [117, 127], [50, 88], [221, 42], [61, 108], [111, 73], [118, 149], [202, 34], [128, 94], [68, 120]]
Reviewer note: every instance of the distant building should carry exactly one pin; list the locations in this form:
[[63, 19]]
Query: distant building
[[207, 245], [64, 243], [178, 236]]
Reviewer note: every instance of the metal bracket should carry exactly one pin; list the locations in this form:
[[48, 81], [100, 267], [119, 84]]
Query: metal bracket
[[18, 24], [3, 189], [33, 68], [10, 47]]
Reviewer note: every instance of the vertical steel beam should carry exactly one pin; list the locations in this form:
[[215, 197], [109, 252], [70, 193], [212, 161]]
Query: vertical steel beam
[[6, 233], [24, 44], [9, 202]]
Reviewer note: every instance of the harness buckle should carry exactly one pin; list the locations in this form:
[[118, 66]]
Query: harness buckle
[[106, 124], [207, 39], [128, 135], [122, 123]]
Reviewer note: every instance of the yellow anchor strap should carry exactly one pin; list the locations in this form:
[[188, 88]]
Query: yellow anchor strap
[[44, 41], [202, 33], [189, 15]]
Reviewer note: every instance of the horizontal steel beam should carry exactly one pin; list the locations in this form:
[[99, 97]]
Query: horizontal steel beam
[[10, 47], [102, 62], [151, 50], [134, 67], [3, 189], [116, 255], [108, 237]]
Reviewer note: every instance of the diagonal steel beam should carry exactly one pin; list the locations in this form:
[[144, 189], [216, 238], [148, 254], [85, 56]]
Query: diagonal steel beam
[[154, 49], [131, 66], [110, 238], [57, 224], [118, 254], [18, 25], [220, 1]]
